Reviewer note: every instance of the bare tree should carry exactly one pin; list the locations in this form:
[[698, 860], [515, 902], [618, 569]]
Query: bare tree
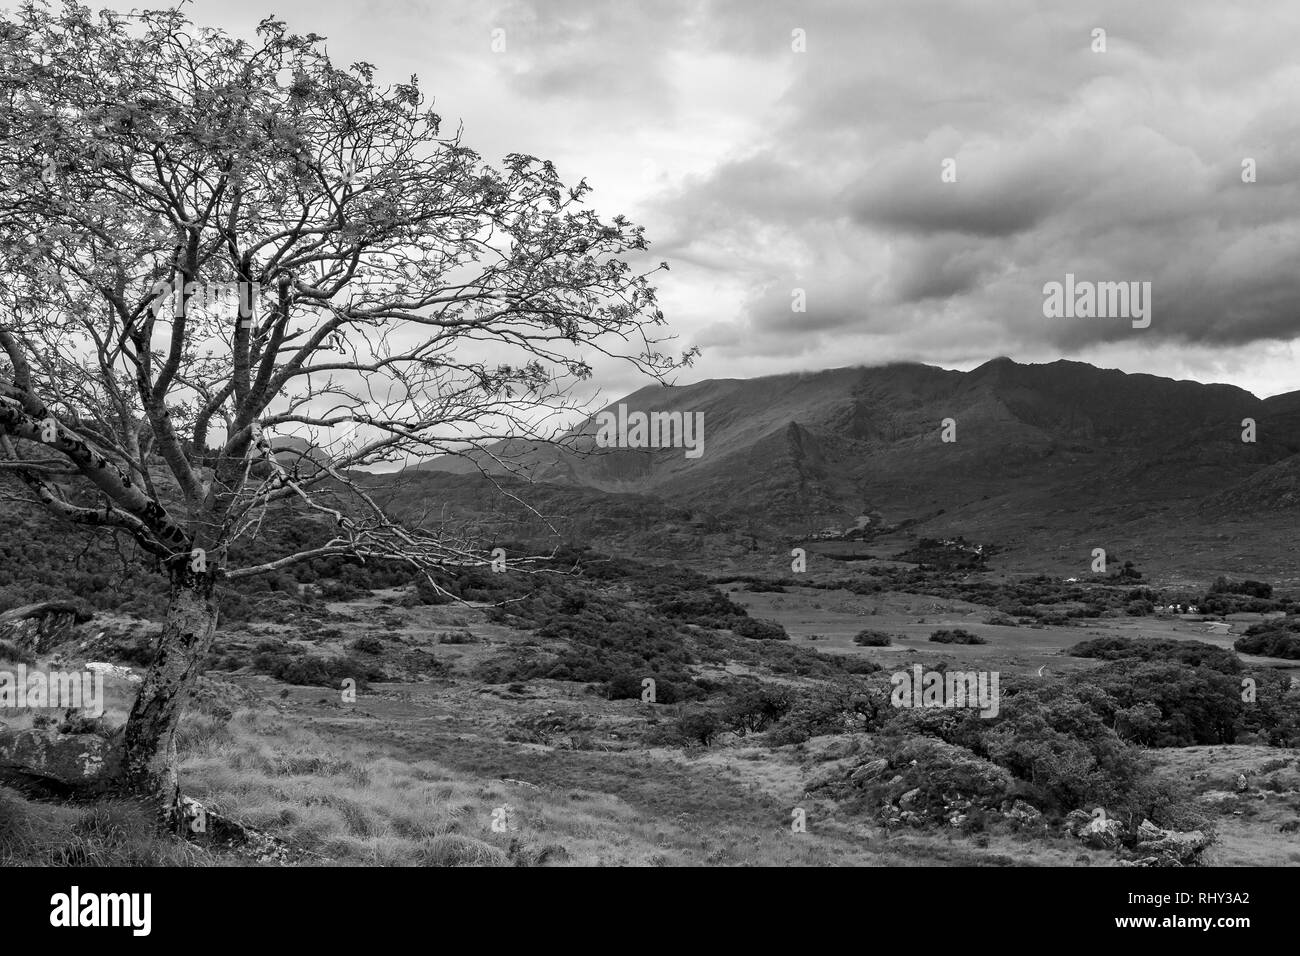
[[210, 242]]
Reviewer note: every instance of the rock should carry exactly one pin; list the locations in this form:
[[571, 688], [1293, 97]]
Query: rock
[[1097, 831], [1025, 813], [907, 799], [1076, 821], [1148, 831], [70, 759], [39, 626], [869, 771], [44, 609], [1242, 784], [1103, 834], [1178, 849], [114, 670]]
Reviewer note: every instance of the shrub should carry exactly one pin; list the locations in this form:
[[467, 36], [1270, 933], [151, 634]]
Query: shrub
[[944, 777], [628, 686], [870, 638], [339, 590], [755, 708], [760, 630], [1270, 642], [956, 635], [367, 645], [833, 710], [1196, 705], [425, 593], [699, 726], [456, 637], [1191, 653], [1257, 589]]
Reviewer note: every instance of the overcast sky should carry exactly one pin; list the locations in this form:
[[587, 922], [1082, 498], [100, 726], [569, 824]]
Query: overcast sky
[[758, 169]]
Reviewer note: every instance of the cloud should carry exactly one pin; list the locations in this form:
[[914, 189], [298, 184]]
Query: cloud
[[758, 169]]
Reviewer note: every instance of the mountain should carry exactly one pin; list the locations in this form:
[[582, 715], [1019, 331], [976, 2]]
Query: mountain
[[1047, 459], [839, 440]]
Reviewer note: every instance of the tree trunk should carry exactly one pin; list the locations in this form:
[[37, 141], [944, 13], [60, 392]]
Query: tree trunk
[[149, 757]]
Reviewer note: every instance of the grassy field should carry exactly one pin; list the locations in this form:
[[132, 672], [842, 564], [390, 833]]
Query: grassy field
[[443, 768]]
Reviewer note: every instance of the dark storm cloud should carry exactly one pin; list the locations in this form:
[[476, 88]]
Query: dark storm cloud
[[1122, 165], [917, 201], [759, 170]]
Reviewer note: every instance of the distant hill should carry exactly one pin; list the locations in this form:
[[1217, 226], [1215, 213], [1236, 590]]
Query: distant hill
[[1049, 462], [811, 447]]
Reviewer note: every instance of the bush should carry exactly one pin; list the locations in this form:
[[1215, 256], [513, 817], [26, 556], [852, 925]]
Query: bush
[[295, 667], [367, 645], [1195, 705], [456, 637], [870, 638], [755, 708], [628, 686], [1191, 653], [340, 591], [425, 593], [833, 710], [945, 777], [1257, 589], [760, 630], [1270, 642], [956, 635], [699, 726]]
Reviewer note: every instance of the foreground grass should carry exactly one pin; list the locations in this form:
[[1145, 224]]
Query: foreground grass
[[111, 833], [366, 792]]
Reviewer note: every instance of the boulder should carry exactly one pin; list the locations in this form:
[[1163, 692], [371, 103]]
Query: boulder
[[117, 671], [43, 625], [1170, 847], [79, 759], [1148, 831], [1076, 821], [907, 799], [1025, 813], [1095, 829], [869, 770], [1103, 834]]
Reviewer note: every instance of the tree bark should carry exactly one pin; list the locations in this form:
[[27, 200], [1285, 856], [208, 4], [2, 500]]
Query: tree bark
[[149, 757]]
